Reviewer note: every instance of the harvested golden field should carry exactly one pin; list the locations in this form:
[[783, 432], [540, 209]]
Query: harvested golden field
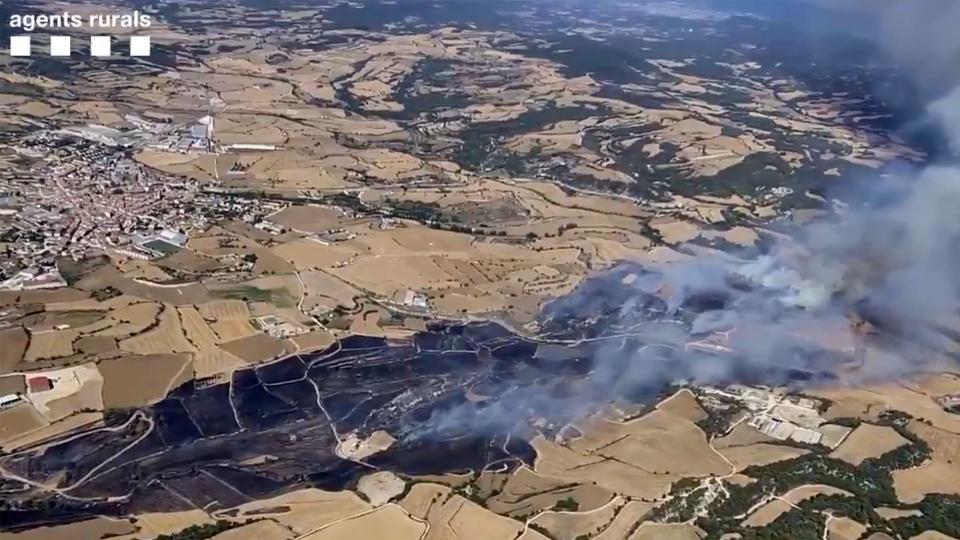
[[196, 329], [139, 380], [769, 512], [213, 362], [455, 515], [15, 341], [310, 218], [893, 513], [166, 337], [760, 454], [667, 531], [557, 461], [132, 319], [224, 309], [658, 442], [571, 525], [50, 320], [305, 509], [99, 527], [18, 420], [41, 296], [50, 345], [842, 528], [325, 292], [935, 476], [867, 402], [318, 339], [13, 384], [77, 421], [932, 535], [157, 523], [868, 441], [380, 487], [526, 492], [96, 345], [742, 435], [623, 524], [944, 444], [257, 348], [232, 329], [421, 498], [802, 493], [260, 530], [935, 384], [684, 405], [385, 522]]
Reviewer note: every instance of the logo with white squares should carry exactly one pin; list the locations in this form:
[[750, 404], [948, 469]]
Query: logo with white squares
[[62, 46]]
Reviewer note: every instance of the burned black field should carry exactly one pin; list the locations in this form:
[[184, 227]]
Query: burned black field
[[458, 397]]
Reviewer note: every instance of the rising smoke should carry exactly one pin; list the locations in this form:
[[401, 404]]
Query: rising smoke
[[892, 260]]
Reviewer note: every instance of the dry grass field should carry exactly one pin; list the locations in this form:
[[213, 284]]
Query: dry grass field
[[935, 476], [683, 404], [305, 509], [224, 310], [131, 319], [379, 487], [625, 521], [868, 441], [932, 535], [310, 219], [571, 525], [232, 329], [843, 528], [867, 402], [388, 521], [166, 337], [421, 498], [525, 492], [196, 330], [15, 341], [18, 420], [51, 344], [892, 513], [557, 461], [139, 380], [659, 442], [257, 348], [769, 512], [667, 531], [46, 432], [760, 454], [99, 527], [944, 444], [260, 530], [154, 524], [456, 516]]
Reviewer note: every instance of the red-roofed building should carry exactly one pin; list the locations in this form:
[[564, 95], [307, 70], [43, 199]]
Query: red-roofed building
[[40, 384]]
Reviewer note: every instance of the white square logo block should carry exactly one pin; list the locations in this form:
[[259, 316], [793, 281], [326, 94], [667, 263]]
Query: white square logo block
[[139, 45], [59, 45], [100, 45], [19, 45]]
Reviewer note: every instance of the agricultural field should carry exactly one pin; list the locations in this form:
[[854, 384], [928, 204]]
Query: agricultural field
[[868, 441]]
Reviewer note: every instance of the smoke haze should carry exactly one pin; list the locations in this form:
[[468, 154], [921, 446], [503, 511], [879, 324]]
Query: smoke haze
[[794, 309]]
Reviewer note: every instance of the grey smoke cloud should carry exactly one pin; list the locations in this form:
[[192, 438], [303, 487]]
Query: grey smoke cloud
[[921, 37], [788, 310]]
